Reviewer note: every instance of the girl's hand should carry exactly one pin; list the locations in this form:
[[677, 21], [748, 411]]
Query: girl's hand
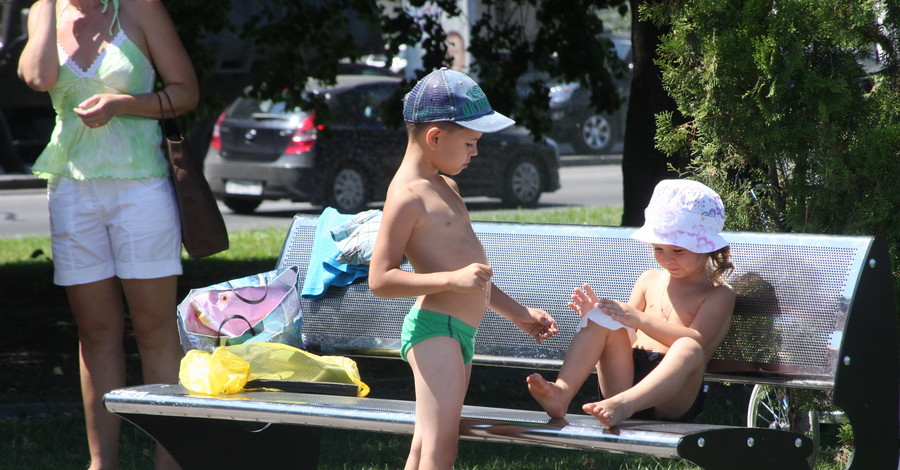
[[584, 300], [97, 110], [621, 312], [475, 277]]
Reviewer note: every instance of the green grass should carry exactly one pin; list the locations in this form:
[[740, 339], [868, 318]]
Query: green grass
[[38, 363], [573, 215]]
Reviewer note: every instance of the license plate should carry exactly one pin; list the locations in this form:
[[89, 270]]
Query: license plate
[[245, 188]]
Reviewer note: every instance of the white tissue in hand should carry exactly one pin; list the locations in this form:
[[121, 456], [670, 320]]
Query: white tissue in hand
[[601, 318]]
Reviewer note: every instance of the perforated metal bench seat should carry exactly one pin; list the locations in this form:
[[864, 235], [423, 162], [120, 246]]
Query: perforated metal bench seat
[[705, 444], [812, 312]]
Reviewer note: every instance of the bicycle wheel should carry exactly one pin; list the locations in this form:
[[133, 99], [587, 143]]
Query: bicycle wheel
[[771, 407]]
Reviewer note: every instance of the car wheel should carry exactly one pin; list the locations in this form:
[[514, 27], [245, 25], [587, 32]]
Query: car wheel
[[347, 191], [242, 206], [523, 184], [596, 134]]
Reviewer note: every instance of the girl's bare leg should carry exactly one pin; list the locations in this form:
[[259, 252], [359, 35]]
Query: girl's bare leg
[[441, 381], [612, 348], [670, 388], [100, 316], [153, 306]]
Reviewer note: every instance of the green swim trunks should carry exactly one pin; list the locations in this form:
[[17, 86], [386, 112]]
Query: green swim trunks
[[422, 324]]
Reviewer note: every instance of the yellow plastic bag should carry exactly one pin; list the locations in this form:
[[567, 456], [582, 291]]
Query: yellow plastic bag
[[213, 374], [276, 361]]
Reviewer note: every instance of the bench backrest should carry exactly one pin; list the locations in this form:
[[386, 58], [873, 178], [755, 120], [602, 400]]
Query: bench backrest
[[794, 296]]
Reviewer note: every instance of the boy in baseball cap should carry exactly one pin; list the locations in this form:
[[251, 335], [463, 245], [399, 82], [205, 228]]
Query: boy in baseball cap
[[425, 219]]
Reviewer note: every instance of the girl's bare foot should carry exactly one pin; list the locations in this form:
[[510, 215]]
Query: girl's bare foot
[[548, 395], [610, 412]]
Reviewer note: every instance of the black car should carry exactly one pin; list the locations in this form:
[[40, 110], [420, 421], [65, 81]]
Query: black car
[[263, 150]]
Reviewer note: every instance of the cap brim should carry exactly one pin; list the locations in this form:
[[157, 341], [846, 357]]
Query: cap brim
[[492, 122]]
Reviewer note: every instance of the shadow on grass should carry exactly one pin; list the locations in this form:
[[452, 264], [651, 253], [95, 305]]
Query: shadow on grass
[[39, 350]]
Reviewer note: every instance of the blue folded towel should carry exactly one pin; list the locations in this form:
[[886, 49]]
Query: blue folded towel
[[324, 269]]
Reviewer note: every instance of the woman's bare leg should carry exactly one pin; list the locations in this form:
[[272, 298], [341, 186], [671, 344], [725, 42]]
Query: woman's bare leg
[[100, 316], [152, 305]]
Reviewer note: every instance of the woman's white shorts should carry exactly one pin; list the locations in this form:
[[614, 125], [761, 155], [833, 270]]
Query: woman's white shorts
[[110, 227]]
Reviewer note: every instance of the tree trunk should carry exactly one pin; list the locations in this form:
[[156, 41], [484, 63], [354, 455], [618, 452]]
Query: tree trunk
[[642, 164]]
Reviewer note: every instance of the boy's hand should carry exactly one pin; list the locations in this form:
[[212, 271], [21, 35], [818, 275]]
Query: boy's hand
[[475, 277], [539, 324]]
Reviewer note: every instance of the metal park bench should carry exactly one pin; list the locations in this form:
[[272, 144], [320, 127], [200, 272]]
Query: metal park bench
[[813, 312]]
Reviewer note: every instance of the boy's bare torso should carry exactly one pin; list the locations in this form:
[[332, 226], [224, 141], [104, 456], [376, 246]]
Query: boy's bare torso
[[443, 240]]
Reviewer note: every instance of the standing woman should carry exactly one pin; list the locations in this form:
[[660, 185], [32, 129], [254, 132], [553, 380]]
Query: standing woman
[[114, 223]]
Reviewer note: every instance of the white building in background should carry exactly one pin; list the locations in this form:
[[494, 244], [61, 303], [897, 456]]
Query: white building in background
[[456, 28]]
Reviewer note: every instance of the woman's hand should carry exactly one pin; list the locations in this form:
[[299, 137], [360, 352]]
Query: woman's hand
[[98, 110]]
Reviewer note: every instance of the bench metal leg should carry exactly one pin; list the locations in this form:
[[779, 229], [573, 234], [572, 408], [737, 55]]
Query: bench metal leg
[[198, 443], [747, 449]]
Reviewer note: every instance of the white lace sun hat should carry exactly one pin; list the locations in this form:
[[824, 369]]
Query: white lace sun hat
[[684, 213]]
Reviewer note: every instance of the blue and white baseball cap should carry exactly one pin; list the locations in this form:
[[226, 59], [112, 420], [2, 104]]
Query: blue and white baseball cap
[[448, 95]]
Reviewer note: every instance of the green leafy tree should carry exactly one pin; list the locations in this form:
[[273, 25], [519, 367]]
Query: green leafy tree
[[296, 41], [793, 110], [515, 66]]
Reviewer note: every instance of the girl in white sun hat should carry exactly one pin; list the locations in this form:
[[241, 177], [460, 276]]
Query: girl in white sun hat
[[651, 353]]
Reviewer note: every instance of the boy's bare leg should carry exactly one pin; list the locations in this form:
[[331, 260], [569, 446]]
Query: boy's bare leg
[[152, 305], [670, 388], [441, 381], [100, 316], [612, 348]]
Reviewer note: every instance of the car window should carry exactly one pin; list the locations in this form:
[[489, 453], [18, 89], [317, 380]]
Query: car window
[[376, 97], [247, 107], [362, 106]]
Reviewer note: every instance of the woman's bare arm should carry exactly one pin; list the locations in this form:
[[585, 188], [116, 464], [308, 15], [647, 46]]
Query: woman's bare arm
[[39, 62]]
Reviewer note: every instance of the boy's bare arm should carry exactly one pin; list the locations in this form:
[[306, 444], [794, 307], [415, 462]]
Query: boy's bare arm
[[386, 279], [535, 322]]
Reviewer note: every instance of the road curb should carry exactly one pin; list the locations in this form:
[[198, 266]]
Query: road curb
[[25, 181], [586, 160], [21, 181]]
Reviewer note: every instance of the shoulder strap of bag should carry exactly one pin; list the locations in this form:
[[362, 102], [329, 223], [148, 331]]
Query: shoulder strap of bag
[[169, 125]]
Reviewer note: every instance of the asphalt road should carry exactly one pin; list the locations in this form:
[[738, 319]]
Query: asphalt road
[[23, 212]]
